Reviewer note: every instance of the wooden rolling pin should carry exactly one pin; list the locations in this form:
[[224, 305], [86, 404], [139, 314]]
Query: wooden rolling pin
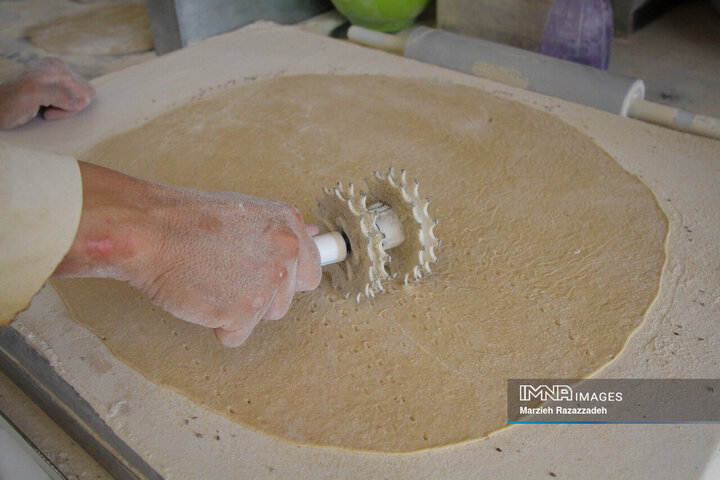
[[512, 66]]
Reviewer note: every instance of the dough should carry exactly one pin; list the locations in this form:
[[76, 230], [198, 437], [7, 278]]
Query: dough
[[113, 30], [551, 255], [9, 68]]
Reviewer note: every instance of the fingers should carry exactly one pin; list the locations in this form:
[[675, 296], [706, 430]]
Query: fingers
[[238, 329], [63, 99], [55, 86], [86, 87], [282, 273], [234, 338], [312, 230], [54, 113], [284, 293], [309, 273], [279, 289]]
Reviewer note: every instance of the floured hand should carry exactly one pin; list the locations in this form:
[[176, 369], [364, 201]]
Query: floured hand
[[48, 86], [218, 259]]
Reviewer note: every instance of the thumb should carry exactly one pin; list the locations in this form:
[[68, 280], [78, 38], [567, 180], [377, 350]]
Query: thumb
[[233, 338], [311, 230]]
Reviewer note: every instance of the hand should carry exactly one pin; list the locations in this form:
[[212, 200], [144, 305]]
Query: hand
[[218, 259], [48, 86]]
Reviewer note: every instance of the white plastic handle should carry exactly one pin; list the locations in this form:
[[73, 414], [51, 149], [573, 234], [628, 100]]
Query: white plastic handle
[[332, 247]]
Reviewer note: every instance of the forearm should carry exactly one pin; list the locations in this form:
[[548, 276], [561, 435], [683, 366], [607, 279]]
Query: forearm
[[116, 230]]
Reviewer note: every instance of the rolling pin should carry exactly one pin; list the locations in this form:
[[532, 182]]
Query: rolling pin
[[612, 92]]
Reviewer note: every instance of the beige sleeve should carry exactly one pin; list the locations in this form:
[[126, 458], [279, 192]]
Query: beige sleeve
[[40, 206]]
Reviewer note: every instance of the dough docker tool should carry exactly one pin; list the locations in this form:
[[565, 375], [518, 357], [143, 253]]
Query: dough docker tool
[[362, 226]]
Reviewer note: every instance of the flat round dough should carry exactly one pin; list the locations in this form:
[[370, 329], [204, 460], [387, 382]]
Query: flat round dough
[[112, 30], [551, 255]]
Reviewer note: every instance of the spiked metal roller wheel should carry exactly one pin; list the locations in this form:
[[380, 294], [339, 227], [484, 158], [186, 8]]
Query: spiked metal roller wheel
[[410, 260], [363, 271], [362, 227]]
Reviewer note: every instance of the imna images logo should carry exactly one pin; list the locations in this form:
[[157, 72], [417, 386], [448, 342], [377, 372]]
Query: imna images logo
[[544, 393], [561, 392]]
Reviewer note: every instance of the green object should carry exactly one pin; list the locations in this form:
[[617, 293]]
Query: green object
[[382, 15]]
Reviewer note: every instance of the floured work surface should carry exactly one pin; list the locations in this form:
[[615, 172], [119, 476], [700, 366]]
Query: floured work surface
[[108, 30], [551, 255]]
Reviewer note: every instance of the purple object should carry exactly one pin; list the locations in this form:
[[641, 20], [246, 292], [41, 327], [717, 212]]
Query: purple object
[[579, 31]]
